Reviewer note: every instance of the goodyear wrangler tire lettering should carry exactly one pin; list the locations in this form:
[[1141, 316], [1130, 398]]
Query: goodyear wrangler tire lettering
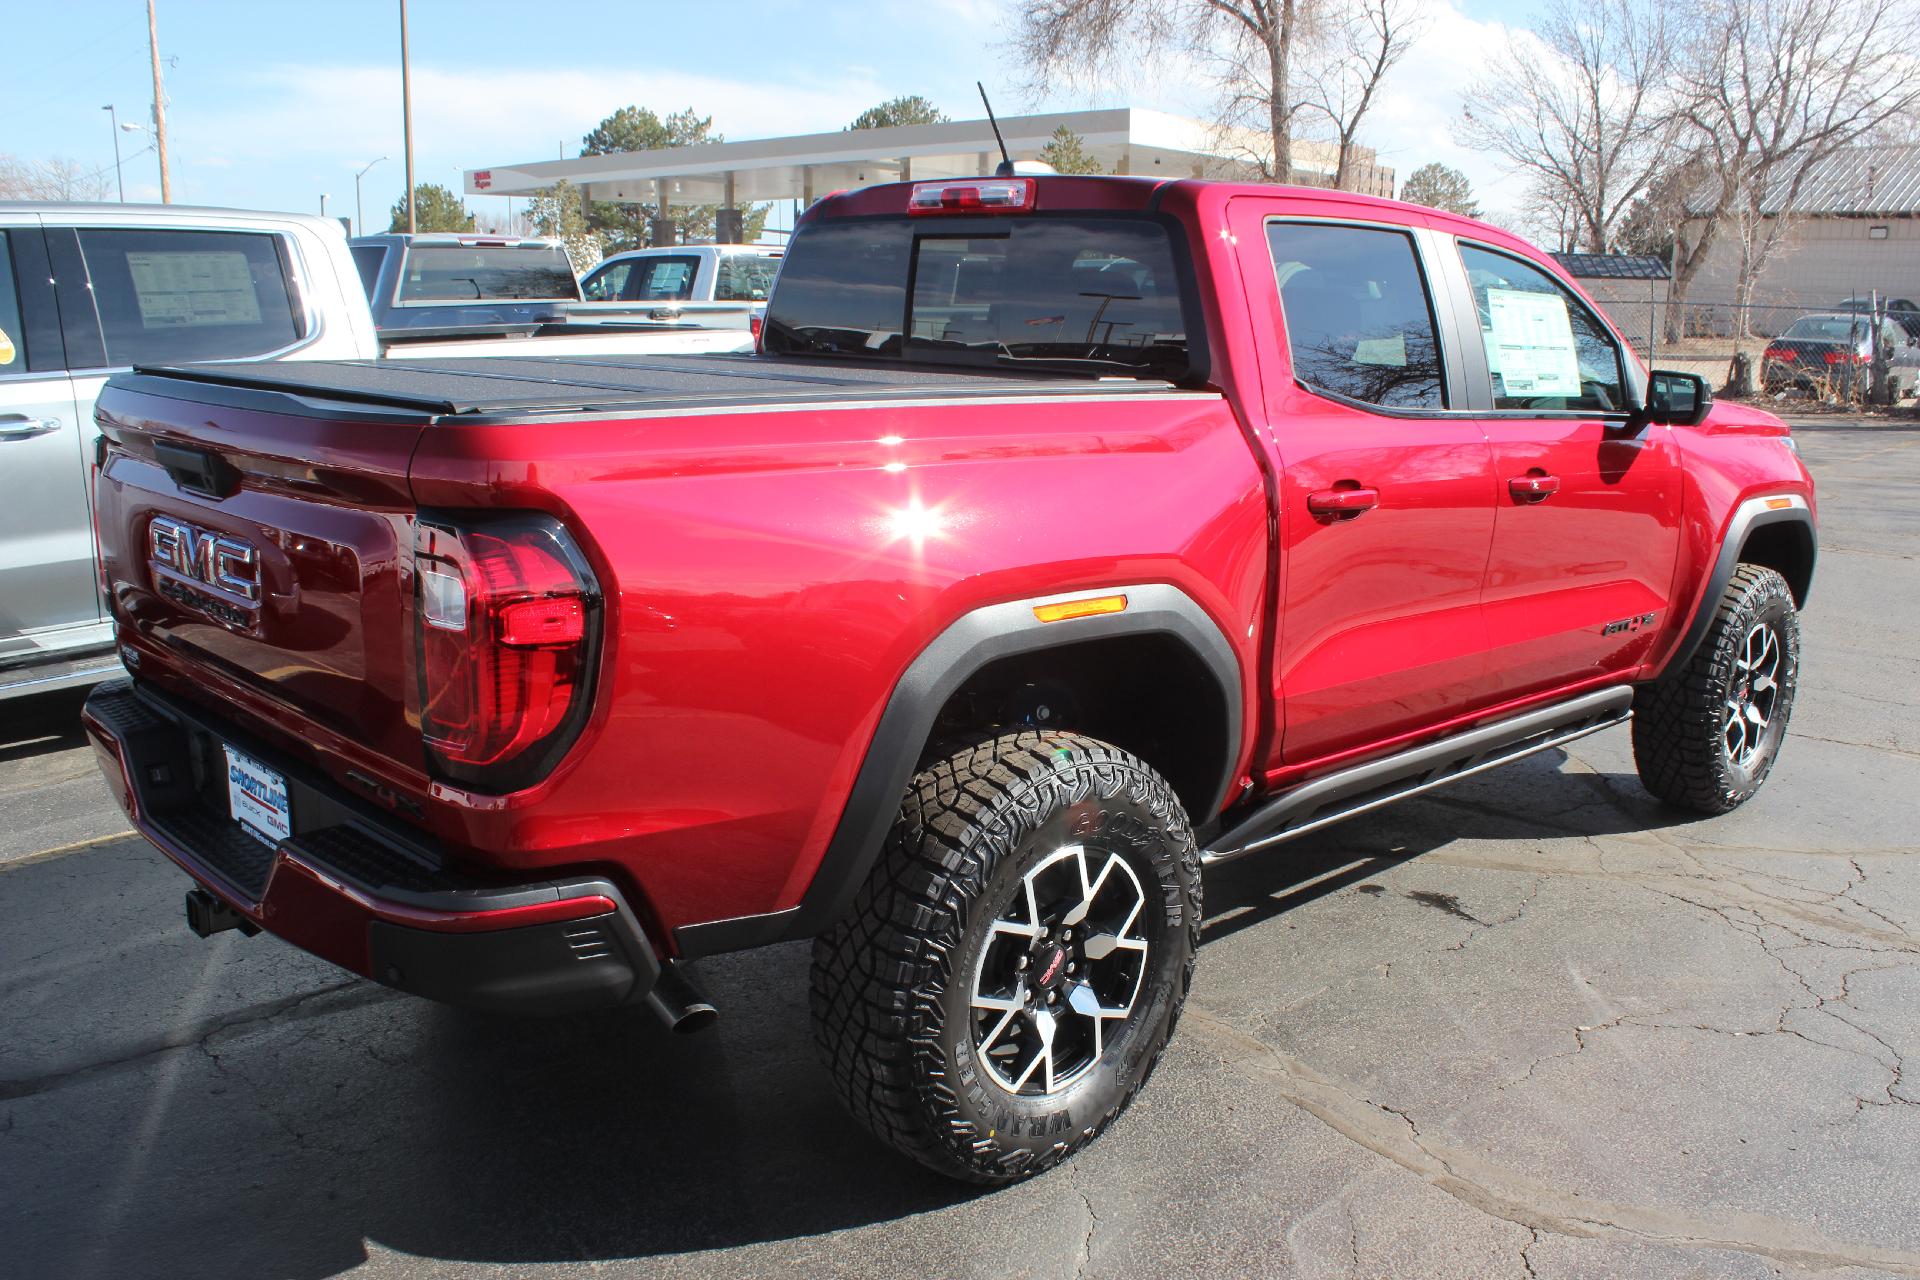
[[1016, 962]]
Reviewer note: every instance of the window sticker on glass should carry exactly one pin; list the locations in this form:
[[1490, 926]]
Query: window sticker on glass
[[6, 348], [181, 289], [1530, 345]]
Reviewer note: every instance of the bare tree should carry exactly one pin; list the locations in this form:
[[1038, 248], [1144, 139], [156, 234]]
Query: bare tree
[[1774, 88], [1103, 41], [1350, 53], [1577, 107], [55, 178]]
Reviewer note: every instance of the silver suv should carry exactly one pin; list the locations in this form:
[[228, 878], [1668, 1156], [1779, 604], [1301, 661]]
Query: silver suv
[[87, 290]]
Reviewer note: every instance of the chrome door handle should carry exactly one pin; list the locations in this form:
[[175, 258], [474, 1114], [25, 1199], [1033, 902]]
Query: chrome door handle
[[14, 426]]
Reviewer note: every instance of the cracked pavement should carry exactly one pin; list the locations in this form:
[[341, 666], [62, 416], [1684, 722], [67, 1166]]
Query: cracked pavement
[[1533, 1025]]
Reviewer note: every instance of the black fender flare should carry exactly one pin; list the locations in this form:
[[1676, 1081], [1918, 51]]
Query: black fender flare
[[977, 638], [1754, 513]]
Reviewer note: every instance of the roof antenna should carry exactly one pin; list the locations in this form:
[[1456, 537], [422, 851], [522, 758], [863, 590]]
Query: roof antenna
[[1005, 169]]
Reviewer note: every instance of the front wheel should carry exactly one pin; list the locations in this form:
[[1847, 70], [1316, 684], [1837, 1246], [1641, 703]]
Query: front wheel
[[1015, 963], [1706, 735]]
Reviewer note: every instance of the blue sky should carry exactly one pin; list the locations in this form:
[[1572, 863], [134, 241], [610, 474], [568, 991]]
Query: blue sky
[[272, 104]]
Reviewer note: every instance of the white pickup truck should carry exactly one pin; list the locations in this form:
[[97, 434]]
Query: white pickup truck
[[721, 286], [89, 290]]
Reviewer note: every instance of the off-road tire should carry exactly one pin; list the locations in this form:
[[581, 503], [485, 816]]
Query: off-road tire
[[893, 985], [1680, 722]]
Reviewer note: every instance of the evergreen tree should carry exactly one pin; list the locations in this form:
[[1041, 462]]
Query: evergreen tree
[[1066, 153], [1438, 187], [913, 109], [435, 208]]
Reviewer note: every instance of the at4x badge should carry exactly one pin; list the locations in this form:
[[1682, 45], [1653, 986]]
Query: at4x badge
[[1638, 623]]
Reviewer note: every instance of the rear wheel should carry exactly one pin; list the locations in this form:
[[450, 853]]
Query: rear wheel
[[1706, 735], [1014, 965]]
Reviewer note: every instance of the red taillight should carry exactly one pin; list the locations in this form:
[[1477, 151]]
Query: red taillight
[[508, 626], [756, 323], [1845, 357], [972, 195], [1782, 354]]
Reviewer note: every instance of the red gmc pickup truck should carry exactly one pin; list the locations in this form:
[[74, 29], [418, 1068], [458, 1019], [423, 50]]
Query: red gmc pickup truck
[[1066, 535]]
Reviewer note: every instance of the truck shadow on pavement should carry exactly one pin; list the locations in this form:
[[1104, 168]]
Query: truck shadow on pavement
[[37, 725], [342, 1121]]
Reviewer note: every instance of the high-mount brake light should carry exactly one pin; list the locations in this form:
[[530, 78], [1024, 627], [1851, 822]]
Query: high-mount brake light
[[972, 195], [507, 636]]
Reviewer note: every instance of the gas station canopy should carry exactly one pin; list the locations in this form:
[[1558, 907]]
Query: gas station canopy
[[1123, 140]]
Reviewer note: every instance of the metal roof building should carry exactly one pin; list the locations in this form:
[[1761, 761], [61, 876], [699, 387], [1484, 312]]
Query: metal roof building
[[1613, 266]]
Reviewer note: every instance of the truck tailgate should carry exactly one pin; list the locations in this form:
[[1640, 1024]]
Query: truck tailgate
[[266, 550]]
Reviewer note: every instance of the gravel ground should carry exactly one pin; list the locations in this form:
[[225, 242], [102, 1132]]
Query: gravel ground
[[1533, 1026]]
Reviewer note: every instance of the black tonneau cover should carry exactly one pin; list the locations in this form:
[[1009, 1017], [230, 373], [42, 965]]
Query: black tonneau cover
[[505, 386]]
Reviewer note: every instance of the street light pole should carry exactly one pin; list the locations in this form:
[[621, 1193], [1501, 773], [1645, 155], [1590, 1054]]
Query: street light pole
[[359, 211], [406, 118], [119, 179]]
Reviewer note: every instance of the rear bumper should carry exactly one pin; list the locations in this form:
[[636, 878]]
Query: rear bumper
[[354, 888]]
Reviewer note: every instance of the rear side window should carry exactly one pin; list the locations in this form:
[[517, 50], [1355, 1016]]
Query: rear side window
[[744, 277], [170, 296], [1545, 350], [366, 260], [1099, 294], [13, 336], [1359, 323], [443, 273], [662, 279]]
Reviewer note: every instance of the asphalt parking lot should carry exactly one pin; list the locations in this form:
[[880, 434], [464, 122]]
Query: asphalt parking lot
[[1534, 1026]]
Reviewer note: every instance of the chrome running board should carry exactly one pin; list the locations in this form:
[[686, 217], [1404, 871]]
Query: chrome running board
[[1363, 787]]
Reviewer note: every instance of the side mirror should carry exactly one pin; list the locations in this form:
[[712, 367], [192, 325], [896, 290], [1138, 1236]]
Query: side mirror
[[1678, 399]]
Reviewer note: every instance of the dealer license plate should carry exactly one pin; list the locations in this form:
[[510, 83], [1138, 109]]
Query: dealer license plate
[[257, 797]]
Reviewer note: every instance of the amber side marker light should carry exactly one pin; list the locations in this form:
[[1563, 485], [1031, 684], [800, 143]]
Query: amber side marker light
[[1089, 608], [1775, 504]]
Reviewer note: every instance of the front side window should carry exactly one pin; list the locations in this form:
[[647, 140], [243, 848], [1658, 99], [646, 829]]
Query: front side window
[[1359, 324], [13, 337], [1099, 294], [1545, 350], [605, 284], [744, 277], [168, 296]]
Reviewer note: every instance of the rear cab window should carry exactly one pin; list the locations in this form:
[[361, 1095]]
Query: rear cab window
[[1359, 321], [1084, 293], [167, 296], [442, 273]]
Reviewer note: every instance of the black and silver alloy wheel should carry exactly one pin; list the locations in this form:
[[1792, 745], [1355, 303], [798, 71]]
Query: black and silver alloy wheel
[[1752, 696], [1069, 962], [1706, 734], [1017, 959]]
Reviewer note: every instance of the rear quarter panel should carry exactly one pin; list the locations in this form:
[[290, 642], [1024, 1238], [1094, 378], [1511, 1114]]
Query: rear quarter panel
[[770, 575]]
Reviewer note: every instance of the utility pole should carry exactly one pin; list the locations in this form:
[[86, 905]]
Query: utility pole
[[159, 105], [406, 116], [359, 210], [119, 179]]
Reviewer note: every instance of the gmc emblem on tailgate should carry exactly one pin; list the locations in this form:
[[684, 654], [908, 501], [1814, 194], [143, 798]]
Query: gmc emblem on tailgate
[[189, 556]]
